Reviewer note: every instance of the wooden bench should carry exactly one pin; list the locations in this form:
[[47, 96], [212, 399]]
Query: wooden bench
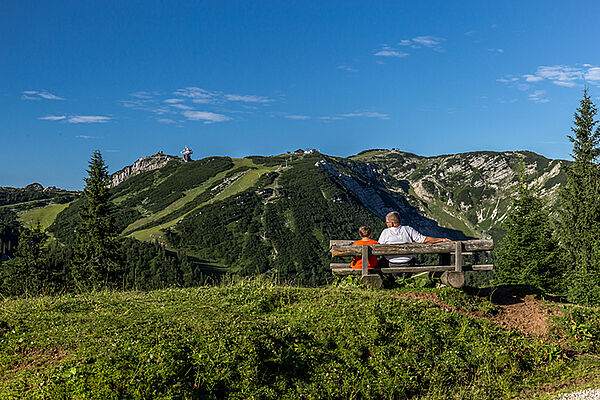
[[452, 273]]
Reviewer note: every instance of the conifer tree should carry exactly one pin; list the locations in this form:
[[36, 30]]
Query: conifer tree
[[580, 207], [9, 231], [95, 248], [29, 272], [528, 254]]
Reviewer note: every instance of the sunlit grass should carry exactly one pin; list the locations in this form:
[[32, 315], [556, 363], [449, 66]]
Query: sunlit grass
[[246, 180], [253, 338], [44, 215]]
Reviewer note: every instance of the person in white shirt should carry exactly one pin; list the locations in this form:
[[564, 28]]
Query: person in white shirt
[[398, 234]]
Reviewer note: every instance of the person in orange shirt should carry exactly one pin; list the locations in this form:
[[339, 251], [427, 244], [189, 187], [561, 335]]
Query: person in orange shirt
[[365, 233]]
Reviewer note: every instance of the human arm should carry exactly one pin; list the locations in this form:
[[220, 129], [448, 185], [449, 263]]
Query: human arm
[[431, 240]]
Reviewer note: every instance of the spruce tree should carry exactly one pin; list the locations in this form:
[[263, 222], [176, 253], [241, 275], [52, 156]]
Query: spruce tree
[[528, 253], [29, 272], [580, 207], [95, 247], [9, 231]]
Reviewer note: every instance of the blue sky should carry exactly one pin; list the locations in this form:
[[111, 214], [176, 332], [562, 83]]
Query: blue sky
[[241, 78]]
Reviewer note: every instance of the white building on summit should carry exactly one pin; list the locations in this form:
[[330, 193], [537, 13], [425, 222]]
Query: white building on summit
[[187, 154]]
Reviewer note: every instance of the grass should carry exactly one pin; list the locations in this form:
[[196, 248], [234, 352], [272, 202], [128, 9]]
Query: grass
[[448, 220], [444, 218], [189, 195], [367, 154], [255, 339], [44, 215], [247, 180]]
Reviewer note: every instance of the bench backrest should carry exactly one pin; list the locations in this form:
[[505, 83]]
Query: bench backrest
[[343, 248]]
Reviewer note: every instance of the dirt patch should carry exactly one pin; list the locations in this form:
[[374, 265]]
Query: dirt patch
[[521, 312], [422, 296], [524, 313], [37, 357]]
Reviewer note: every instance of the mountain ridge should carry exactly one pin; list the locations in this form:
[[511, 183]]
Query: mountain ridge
[[277, 213]]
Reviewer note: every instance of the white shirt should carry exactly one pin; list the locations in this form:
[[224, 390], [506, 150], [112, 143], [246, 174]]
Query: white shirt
[[399, 235]]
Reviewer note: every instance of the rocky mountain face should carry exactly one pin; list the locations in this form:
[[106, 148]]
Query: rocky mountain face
[[470, 192], [149, 163], [278, 213]]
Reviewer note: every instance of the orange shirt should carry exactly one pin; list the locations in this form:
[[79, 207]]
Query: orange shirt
[[357, 262]]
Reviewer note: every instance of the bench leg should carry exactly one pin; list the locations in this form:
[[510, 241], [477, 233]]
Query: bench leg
[[372, 281], [453, 279]]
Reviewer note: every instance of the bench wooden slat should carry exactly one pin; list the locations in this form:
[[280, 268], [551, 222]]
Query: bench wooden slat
[[458, 259], [344, 269], [338, 250], [365, 259]]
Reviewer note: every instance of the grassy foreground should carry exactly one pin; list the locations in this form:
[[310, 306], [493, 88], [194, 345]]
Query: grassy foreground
[[252, 339]]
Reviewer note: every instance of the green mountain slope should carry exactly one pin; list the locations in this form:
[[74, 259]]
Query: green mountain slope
[[277, 214], [34, 196]]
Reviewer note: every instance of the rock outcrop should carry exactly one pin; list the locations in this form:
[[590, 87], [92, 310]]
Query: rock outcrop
[[150, 163]]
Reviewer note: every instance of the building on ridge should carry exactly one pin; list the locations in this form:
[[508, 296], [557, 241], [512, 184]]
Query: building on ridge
[[187, 154]]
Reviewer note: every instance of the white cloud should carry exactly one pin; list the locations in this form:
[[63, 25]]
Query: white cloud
[[507, 79], [53, 117], [538, 96], [347, 68], [298, 117], [432, 42], [86, 137], [181, 106], [565, 83], [160, 110], [390, 53], [532, 78], [361, 114], [367, 114], [206, 116], [166, 120], [559, 75], [144, 95], [248, 98], [593, 74], [168, 107], [88, 119], [195, 93], [77, 119], [39, 95], [330, 118], [428, 41], [496, 50]]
